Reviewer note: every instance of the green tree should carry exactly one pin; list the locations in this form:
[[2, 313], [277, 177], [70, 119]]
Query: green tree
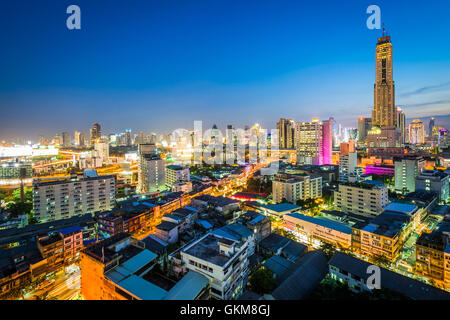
[[262, 281], [328, 250]]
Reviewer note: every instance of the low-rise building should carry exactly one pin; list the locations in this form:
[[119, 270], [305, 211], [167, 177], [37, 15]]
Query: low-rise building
[[72, 242], [121, 268], [433, 255], [221, 204], [355, 273], [258, 223], [385, 234], [222, 260], [434, 181], [316, 231], [167, 231], [176, 174]]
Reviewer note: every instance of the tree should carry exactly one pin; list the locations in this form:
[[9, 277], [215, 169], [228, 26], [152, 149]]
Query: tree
[[381, 261], [16, 206], [262, 281], [328, 250]]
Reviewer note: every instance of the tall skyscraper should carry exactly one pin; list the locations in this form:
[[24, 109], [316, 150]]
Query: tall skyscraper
[[384, 132], [128, 137], [430, 127], [384, 111], [286, 133], [95, 133], [327, 141], [416, 132], [79, 138], [66, 139]]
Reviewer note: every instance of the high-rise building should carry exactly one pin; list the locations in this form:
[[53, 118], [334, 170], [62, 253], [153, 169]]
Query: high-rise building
[[80, 138], [95, 133], [314, 142], [102, 150], [401, 123], [430, 127], [385, 132], [128, 137], [348, 169], [364, 125], [384, 111], [416, 132], [151, 174], [61, 199], [327, 141], [406, 171], [140, 138], [286, 131], [66, 139]]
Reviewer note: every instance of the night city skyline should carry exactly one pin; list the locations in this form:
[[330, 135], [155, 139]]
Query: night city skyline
[[233, 153], [161, 66]]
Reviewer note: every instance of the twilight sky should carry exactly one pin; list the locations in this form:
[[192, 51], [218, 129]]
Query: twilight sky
[[158, 65]]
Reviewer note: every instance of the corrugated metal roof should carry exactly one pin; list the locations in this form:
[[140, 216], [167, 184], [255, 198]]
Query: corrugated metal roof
[[188, 287]]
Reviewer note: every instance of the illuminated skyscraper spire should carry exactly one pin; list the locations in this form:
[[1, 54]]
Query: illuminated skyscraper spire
[[384, 112]]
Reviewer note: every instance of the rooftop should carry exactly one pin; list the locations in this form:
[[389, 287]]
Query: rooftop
[[330, 224], [281, 207], [166, 226], [207, 248], [308, 272], [412, 288], [388, 223], [216, 201]]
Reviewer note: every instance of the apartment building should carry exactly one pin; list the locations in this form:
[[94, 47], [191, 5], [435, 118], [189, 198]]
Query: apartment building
[[385, 234], [151, 173], [366, 198], [62, 199], [176, 174], [433, 255], [296, 187], [222, 260], [72, 242], [348, 169]]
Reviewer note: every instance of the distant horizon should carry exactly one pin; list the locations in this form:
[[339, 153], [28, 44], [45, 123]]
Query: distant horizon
[[155, 66]]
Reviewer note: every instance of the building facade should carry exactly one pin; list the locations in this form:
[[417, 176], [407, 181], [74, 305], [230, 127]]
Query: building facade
[[366, 198], [61, 199], [293, 188]]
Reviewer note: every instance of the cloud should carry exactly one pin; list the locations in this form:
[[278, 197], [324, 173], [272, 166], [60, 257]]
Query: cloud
[[429, 103], [426, 89]]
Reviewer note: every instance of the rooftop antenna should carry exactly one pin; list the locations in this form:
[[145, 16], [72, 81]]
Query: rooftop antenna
[[384, 30]]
